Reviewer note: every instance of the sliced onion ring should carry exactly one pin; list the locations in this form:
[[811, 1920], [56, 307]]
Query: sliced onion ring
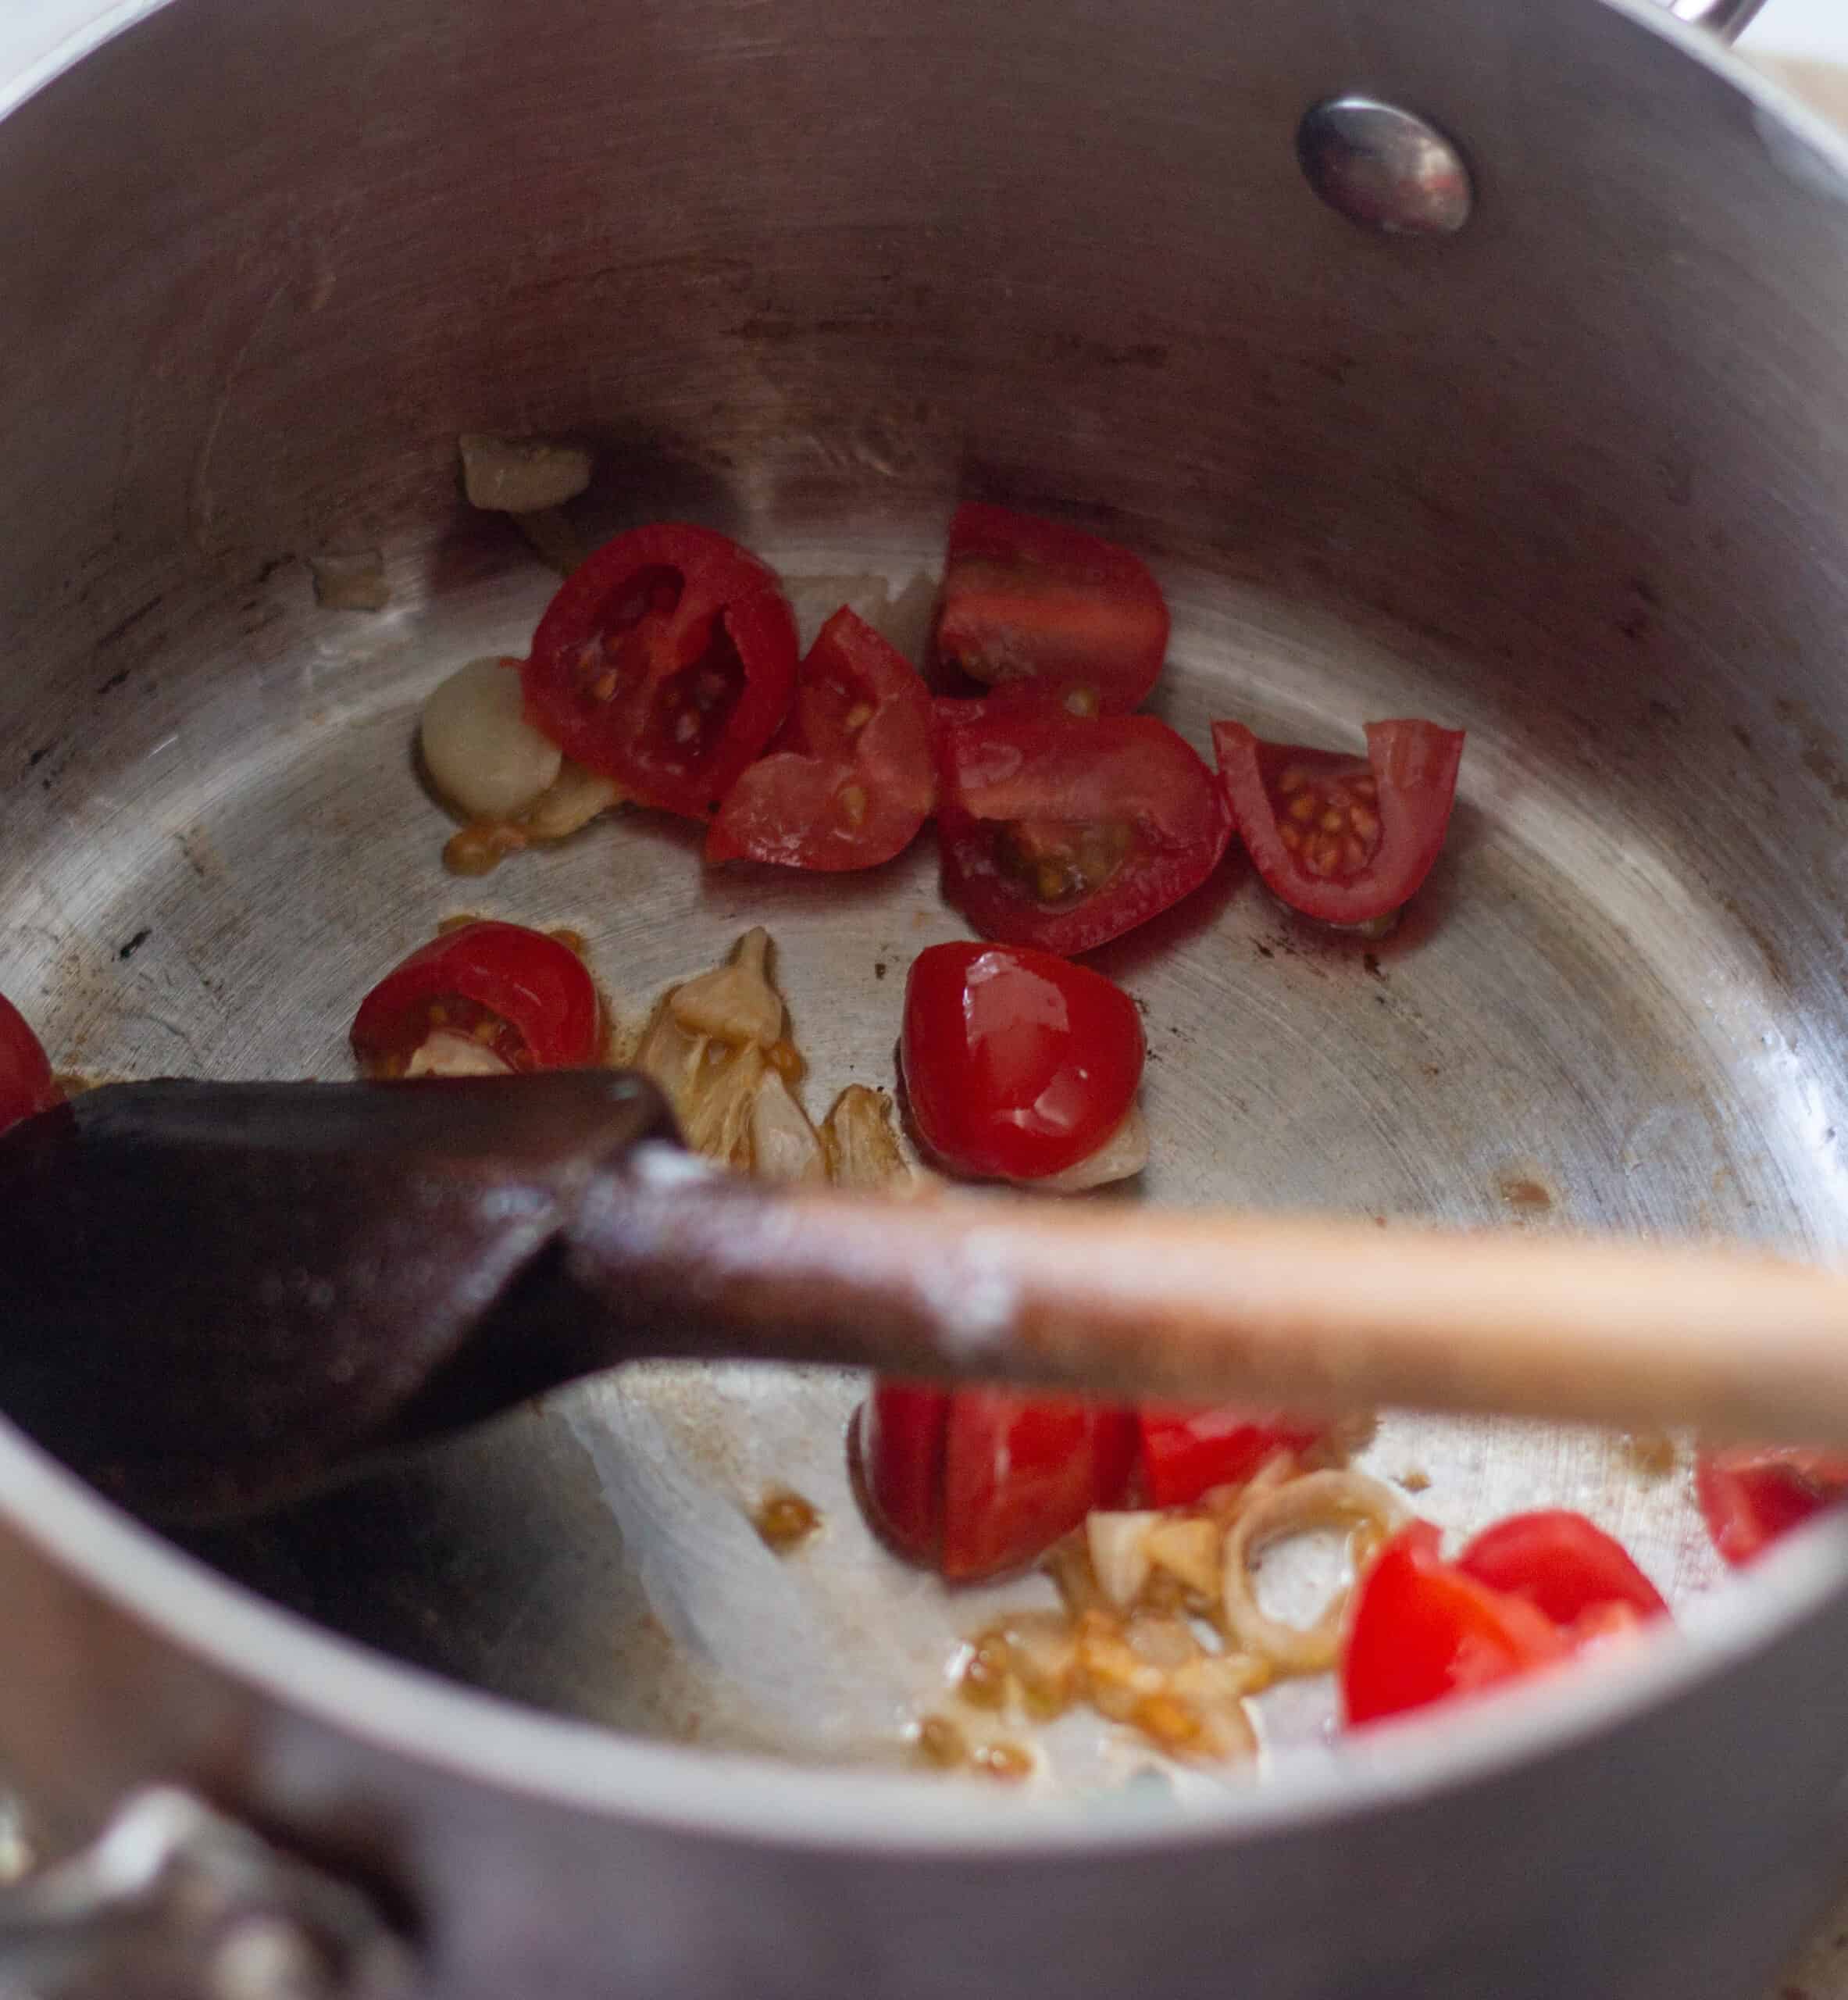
[[1317, 1500]]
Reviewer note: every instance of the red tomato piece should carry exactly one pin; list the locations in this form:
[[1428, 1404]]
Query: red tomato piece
[[976, 1482], [1422, 1631], [903, 1427], [1563, 1565], [1016, 1064], [25, 1084], [1024, 599], [1063, 834], [1187, 1452], [849, 778], [528, 998], [1020, 701], [1750, 1497], [1345, 839], [665, 662]]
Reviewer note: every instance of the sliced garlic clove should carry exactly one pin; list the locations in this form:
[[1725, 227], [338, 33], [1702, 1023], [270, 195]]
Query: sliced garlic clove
[[862, 1148], [784, 1145], [734, 1002], [481, 753], [351, 582], [1119, 1546], [572, 799], [1123, 1155], [1188, 1547], [522, 475], [448, 1053]]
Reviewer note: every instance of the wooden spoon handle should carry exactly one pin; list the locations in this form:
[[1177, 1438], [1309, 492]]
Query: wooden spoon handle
[[1314, 1315]]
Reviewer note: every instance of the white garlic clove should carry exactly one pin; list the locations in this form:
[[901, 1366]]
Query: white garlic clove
[[522, 475], [481, 753], [448, 1053], [1124, 1153], [351, 582]]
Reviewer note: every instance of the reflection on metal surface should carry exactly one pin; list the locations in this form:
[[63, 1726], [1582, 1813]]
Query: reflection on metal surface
[[1384, 168], [173, 1901], [1723, 17]]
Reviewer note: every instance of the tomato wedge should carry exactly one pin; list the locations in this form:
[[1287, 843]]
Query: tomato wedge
[[1563, 1565], [1187, 1452], [977, 1482], [1345, 839], [665, 662], [526, 999], [1017, 1065], [849, 778], [25, 1084], [1422, 1631], [1063, 833], [1750, 1497], [1028, 600]]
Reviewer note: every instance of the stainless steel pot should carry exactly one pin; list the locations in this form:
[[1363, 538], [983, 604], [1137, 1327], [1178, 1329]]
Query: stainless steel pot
[[1569, 473]]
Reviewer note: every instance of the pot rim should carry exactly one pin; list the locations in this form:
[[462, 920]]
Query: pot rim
[[416, 1715]]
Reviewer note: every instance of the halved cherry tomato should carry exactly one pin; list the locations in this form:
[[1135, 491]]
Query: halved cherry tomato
[[665, 662], [849, 778], [1346, 839], [529, 998], [1016, 1064], [1749, 1497], [1187, 1452], [902, 1429], [1422, 1631], [25, 1084], [1563, 1565], [1063, 833], [977, 1482], [1025, 599]]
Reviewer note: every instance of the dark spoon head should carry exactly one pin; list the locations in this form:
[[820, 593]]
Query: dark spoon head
[[216, 1295]]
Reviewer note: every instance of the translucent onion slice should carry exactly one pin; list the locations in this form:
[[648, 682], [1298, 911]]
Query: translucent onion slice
[[1299, 1506]]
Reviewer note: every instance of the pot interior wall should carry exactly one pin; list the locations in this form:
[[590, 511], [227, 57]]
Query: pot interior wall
[[1567, 481]]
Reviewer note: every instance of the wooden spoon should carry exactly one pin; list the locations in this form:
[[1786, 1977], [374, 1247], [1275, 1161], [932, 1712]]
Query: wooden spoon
[[220, 1296]]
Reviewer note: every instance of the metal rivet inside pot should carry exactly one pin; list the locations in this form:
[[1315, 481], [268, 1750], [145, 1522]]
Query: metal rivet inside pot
[[1384, 168]]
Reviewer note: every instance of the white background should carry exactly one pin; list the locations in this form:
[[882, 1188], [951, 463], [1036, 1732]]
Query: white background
[[1802, 27], [30, 29]]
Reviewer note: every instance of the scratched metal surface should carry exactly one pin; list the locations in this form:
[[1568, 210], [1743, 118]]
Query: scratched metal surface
[[1591, 522]]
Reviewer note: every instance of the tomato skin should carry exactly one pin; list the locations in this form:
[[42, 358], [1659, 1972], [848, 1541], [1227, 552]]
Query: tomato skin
[[788, 807], [1016, 1064], [1187, 1452], [1561, 1564], [1414, 764], [666, 628], [1129, 775], [540, 989], [903, 1429], [25, 1084], [1422, 1631], [1030, 600], [1750, 1497], [976, 1482]]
